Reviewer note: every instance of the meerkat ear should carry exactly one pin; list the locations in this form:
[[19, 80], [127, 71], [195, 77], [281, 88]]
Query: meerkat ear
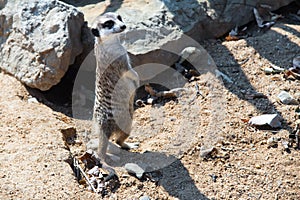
[[95, 32]]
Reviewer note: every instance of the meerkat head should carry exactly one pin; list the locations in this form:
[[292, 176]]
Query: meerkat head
[[108, 24]]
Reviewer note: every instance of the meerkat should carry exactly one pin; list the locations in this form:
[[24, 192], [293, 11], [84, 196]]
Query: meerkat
[[116, 82]]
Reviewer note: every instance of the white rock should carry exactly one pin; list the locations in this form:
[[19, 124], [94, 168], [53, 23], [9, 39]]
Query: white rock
[[32, 100], [286, 98], [272, 120], [268, 70], [134, 169], [144, 198], [285, 144], [296, 62], [207, 152], [272, 141]]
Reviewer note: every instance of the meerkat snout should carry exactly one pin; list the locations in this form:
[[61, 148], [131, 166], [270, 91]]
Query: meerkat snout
[[123, 27]]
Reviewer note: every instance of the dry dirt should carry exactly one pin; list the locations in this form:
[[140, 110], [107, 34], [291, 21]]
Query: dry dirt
[[34, 159]]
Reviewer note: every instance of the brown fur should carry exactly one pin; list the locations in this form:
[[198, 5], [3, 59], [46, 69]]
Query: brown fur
[[116, 82]]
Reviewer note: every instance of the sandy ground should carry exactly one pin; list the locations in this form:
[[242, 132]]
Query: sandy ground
[[34, 159]]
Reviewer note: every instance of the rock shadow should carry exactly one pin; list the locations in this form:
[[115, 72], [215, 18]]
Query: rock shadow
[[174, 177], [79, 3], [178, 183], [233, 68]]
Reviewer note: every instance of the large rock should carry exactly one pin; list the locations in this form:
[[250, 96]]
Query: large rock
[[39, 40], [157, 28]]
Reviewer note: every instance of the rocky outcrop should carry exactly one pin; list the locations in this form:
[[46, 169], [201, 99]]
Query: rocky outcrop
[[158, 27], [39, 40]]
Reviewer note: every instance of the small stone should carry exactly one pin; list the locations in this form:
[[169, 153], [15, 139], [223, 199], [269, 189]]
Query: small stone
[[285, 144], [214, 177], [32, 100], [257, 166], [79, 142], [296, 61], [100, 176], [272, 120], [279, 183], [263, 142], [81, 186], [151, 100], [145, 197], [272, 142], [268, 70], [172, 119], [267, 158], [286, 98], [134, 169], [205, 153], [125, 175]]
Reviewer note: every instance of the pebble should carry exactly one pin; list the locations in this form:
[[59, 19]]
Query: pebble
[[285, 144], [151, 100], [145, 197], [268, 70], [32, 100], [257, 166], [286, 98], [279, 183], [204, 153], [79, 142], [272, 142], [172, 119], [214, 177], [272, 120], [134, 169], [296, 61], [81, 186]]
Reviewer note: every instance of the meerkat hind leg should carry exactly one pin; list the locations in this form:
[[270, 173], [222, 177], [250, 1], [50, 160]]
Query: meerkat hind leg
[[104, 135], [103, 141], [126, 145]]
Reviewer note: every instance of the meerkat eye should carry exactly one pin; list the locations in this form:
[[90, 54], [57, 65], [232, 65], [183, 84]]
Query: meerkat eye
[[108, 24], [119, 18]]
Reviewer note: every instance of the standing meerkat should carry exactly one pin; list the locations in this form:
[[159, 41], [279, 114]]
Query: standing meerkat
[[116, 82]]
